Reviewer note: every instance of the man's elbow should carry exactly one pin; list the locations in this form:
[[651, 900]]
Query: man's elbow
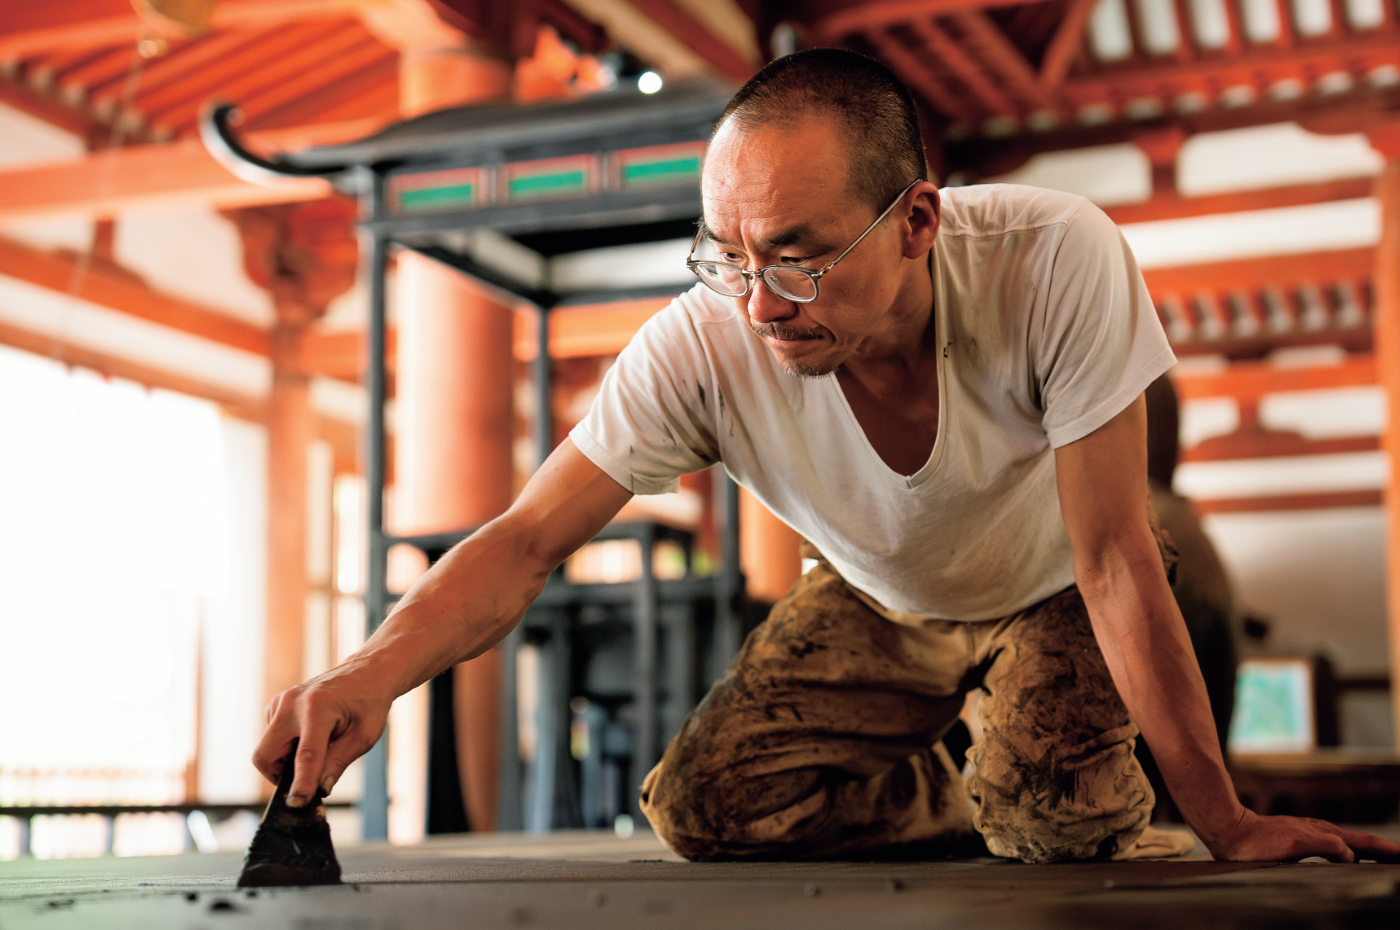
[[1126, 561]]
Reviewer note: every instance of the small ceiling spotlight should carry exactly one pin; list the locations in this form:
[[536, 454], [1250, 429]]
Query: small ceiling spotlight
[[648, 82]]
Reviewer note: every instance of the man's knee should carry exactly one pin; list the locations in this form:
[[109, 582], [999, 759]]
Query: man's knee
[[705, 819], [1064, 807]]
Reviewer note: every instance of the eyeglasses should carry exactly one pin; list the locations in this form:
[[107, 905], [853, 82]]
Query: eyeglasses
[[798, 285]]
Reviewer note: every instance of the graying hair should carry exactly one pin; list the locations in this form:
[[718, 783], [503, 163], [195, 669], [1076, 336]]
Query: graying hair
[[877, 110]]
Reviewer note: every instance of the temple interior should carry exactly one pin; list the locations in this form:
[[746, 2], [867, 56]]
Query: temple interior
[[297, 295]]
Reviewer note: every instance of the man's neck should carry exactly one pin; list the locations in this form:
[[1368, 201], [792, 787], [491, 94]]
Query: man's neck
[[898, 359]]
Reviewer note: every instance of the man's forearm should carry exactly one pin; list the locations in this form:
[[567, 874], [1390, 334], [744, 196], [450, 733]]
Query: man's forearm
[[465, 604], [1145, 643]]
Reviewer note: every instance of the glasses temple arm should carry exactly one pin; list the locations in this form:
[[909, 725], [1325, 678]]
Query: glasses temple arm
[[869, 229]]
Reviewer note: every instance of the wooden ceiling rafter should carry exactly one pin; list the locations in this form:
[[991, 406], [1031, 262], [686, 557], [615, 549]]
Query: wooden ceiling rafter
[[358, 59], [111, 365], [987, 41], [881, 14], [1169, 205], [30, 29], [1246, 307], [179, 61], [342, 436], [921, 79], [250, 59], [369, 92], [1066, 43], [942, 47], [1270, 444], [111, 67], [16, 94], [1287, 269], [1014, 75], [298, 66], [123, 291], [698, 37], [44, 71], [1318, 500], [1251, 381], [108, 183]]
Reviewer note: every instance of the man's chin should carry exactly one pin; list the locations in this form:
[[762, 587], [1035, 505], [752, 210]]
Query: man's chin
[[807, 370], [802, 358]]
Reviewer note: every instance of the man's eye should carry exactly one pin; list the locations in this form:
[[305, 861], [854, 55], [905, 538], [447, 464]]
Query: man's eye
[[730, 257]]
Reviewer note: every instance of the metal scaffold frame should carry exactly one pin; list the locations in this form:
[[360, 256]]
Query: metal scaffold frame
[[602, 134]]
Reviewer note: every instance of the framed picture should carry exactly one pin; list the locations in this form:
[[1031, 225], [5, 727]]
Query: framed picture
[[1274, 707]]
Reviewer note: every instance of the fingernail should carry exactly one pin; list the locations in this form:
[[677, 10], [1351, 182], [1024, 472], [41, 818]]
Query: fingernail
[[296, 800], [327, 784]]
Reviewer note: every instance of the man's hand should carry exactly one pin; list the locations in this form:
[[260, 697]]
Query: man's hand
[[1288, 839], [1103, 488], [463, 606], [337, 718]]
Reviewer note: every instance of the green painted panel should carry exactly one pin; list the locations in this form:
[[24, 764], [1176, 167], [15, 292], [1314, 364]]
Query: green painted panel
[[669, 170], [436, 198], [541, 185]]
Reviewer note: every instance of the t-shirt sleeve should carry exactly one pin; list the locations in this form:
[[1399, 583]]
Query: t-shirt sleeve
[[1100, 343], [650, 422]]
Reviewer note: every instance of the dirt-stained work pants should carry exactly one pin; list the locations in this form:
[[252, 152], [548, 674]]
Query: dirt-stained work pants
[[822, 741]]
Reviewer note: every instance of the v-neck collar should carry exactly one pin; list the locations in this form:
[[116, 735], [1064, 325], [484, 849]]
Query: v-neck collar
[[941, 357]]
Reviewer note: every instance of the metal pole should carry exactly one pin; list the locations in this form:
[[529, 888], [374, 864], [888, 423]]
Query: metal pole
[[544, 388], [374, 807], [509, 804], [644, 670], [729, 582]]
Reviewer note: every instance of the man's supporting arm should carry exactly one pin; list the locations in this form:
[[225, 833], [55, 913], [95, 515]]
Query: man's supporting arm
[[1103, 490], [463, 606]]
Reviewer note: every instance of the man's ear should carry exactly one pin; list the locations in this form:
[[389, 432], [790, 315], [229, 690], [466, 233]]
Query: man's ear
[[922, 220]]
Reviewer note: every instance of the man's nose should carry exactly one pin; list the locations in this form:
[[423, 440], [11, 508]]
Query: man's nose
[[767, 307]]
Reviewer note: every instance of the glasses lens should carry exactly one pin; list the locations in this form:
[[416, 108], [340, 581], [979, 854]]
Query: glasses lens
[[792, 283], [724, 279]]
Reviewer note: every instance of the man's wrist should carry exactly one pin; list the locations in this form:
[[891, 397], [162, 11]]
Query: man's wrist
[[1221, 830]]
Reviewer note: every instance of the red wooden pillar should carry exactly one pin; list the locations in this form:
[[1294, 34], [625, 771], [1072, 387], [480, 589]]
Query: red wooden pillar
[[304, 255], [453, 438], [769, 550], [1386, 281]]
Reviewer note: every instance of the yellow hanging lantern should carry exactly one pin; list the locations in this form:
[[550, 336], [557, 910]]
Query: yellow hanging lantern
[[186, 18]]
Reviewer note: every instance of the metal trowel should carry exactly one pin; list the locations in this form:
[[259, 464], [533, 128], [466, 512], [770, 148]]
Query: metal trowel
[[293, 844]]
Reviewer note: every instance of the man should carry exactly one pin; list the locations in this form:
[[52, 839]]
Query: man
[[944, 397]]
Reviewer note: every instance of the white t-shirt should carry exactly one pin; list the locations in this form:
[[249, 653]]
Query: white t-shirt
[[1046, 332]]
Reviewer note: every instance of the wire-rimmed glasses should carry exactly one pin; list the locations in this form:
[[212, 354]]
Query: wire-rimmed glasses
[[798, 285]]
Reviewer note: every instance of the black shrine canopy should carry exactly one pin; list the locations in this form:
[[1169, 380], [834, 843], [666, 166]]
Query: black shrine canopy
[[613, 168], [501, 191]]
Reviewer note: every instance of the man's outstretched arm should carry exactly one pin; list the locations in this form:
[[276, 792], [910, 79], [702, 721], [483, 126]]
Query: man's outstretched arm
[[463, 606], [1103, 490]]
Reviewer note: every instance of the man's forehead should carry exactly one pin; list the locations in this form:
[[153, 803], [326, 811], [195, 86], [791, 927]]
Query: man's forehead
[[782, 203], [771, 235]]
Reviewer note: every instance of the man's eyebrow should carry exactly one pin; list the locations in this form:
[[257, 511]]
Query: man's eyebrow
[[708, 234], [796, 234]]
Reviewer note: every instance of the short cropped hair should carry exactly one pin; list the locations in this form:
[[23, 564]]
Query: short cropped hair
[[882, 124]]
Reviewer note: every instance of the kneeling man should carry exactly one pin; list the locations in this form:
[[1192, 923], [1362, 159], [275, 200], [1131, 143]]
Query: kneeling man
[[942, 391]]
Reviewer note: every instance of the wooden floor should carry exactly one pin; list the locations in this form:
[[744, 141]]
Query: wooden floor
[[587, 880]]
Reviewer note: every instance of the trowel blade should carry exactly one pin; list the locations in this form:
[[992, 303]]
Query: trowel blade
[[293, 844]]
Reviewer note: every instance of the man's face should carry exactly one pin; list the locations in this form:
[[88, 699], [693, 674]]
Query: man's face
[[779, 196]]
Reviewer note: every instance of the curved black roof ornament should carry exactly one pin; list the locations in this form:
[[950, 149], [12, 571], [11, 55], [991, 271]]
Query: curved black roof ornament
[[216, 132]]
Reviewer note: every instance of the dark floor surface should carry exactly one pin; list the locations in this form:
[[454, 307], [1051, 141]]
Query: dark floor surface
[[587, 880]]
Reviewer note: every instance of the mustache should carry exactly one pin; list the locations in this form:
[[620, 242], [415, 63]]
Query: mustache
[[784, 332]]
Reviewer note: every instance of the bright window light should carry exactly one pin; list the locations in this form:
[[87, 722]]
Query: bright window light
[[649, 82]]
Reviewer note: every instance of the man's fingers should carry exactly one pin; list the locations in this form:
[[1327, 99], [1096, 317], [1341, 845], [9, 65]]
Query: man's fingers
[[276, 742], [1368, 842], [344, 750], [311, 754]]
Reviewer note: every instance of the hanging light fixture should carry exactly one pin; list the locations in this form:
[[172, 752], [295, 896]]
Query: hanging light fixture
[[182, 18]]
